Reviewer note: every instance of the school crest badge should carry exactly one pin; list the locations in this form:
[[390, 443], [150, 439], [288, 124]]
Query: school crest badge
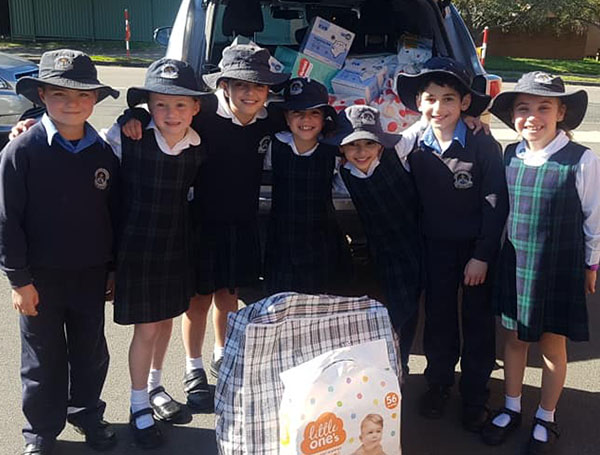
[[544, 78], [63, 63], [463, 180], [169, 71], [263, 145], [101, 177], [367, 118], [296, 88]]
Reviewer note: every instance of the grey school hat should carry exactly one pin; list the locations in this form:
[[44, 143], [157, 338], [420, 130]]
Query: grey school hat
[[408, 84], [358, 122], [246, 62], [167, 77], [64, 68], [540, 83]]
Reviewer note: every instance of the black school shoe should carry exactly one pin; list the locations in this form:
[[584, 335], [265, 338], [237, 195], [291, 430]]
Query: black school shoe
[[543, 448], [494, 435], [474, 418], [146, 438], [195, 386], [36, 449], [96, 431], [432, 403], [166, 412]]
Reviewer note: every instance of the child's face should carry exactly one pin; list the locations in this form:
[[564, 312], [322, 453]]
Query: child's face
[[172, 114], [370, 434], [305, 125], [362, 153], [535, 118], [442, 106], [245, 98], [66, 107]]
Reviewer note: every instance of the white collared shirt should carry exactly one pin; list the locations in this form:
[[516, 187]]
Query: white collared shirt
[[224, 110], [287, 138], [113, 137], [587, 178]]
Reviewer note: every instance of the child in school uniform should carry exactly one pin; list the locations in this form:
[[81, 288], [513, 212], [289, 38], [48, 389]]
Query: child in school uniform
[[460, 181], [305, 251], [386, 200], [237, 131], [154, 278], [550, 256], [58, 186]]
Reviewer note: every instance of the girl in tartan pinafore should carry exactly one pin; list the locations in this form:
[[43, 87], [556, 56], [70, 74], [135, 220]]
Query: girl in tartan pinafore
[[306, 251], [550, 256], [154, 279]]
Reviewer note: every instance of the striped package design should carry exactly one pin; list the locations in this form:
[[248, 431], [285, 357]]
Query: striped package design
[[271, 336]]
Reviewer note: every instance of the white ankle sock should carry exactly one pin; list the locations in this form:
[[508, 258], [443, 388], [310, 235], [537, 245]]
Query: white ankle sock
[[139, 401], [154, 381], [218, 352], [193, 364], [539, 432], [512, 403]]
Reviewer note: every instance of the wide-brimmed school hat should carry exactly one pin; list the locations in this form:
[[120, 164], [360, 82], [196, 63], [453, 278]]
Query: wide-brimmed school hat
[[64, 68], [358, 122], [246, 62], [167, 77], [542, 84], [301, 94], [408, 84]]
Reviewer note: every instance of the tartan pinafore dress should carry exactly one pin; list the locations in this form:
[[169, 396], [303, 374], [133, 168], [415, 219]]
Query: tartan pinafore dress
[[540, 287], [388, 206], [154, 278], [306, 251]]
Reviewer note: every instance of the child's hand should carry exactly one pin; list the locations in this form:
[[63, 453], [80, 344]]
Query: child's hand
[[109, 294], [475, 124], [475, 272], [25, 300], [133, 129], [21, 127], [590, 281]]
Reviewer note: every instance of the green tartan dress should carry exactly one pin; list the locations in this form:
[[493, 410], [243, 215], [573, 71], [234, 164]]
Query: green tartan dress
[[541, 280]]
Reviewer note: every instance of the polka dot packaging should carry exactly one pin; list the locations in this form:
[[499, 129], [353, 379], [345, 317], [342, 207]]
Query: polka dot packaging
[[344, 402]]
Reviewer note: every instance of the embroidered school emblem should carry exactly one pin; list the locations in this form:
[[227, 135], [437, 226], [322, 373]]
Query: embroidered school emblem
[[101, 177], [463, 180], [63, 63], [367, 118], [263, 145], [543, 78], [169, 71], [296, 88]]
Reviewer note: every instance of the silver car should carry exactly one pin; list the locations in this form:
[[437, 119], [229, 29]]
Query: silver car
[[12, 106]]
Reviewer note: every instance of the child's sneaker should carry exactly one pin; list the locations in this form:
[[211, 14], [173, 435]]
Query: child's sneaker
[[195, 386], [215, 366]]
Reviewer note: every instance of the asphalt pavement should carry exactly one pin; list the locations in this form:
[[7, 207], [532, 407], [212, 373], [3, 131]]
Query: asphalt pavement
[[578, 412]]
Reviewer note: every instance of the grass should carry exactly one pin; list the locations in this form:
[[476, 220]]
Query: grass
[[585, 70]]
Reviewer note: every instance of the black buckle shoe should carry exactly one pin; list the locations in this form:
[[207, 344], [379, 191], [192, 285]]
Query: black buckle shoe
[[195, 386], [96, 431], [543, 448], [146, 438], [474, 418], [215, 366], [36, 449], [433, 402], [168, 411], [494, 435]]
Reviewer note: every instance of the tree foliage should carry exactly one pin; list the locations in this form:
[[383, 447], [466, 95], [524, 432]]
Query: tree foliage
[[529, 15]]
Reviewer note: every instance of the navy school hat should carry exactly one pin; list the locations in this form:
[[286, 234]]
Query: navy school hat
[[408, 84], [540, 83], [358, 122], [64, 68], [246, 62], [167, 77], [301, 94]]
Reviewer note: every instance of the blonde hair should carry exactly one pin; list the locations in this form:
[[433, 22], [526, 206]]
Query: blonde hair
[[373, 418]]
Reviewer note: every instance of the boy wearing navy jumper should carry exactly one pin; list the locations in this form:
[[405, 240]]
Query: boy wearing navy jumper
[[460, 181], [58, 184]]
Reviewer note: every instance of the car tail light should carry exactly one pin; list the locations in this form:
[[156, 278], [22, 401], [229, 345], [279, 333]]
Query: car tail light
[[494, 87]]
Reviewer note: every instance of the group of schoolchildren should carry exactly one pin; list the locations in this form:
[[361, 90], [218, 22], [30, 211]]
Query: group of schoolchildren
[[159, 213]]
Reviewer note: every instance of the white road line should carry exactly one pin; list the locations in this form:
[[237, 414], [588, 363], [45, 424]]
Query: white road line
[[504, 134]]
